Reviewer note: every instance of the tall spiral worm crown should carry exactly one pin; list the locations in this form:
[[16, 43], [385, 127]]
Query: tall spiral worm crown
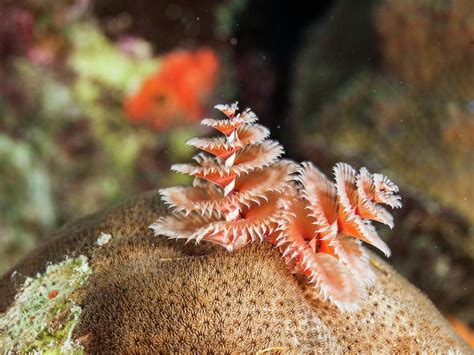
[[242, 193], [236, 197]]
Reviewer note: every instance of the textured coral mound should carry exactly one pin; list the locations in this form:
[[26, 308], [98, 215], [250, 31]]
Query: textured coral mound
[[148, 294]]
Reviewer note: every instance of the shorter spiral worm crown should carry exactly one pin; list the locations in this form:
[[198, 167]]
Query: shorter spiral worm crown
[[242, 192]]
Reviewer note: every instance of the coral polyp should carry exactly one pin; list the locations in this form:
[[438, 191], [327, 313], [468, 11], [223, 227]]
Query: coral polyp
[[242, 192]]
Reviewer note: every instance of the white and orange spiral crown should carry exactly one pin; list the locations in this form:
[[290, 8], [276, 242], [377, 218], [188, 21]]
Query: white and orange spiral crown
[[236, 197], [242, 192], [320, 236]]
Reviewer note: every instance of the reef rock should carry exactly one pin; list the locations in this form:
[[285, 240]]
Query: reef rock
[[147, 293], [394, 83]]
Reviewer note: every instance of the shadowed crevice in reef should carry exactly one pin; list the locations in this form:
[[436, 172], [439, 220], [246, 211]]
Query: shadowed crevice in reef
[[268, 38]]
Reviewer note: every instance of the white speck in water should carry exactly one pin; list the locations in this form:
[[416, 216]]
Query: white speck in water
[[233, 41], [442, 266]]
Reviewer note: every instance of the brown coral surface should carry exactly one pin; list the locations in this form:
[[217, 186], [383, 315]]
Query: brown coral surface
[[149, 294]]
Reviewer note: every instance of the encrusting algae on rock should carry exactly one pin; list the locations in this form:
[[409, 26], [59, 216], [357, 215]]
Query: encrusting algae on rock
[[243, 193], [43, 316]]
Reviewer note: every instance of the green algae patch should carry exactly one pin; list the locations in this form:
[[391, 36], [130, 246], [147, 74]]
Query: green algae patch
[[43, 316]]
